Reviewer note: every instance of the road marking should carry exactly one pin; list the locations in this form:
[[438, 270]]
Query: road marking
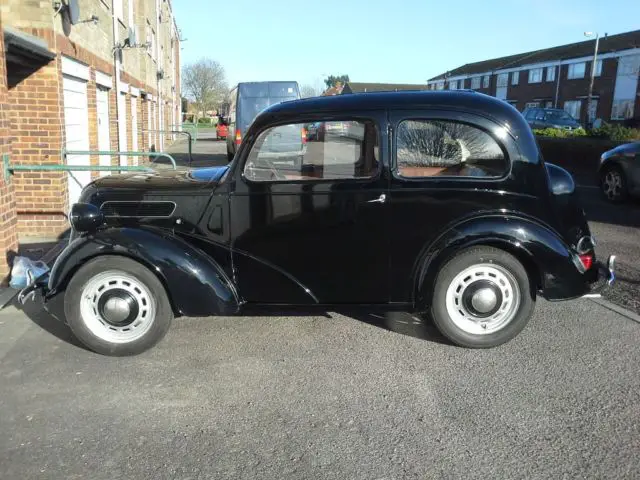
[[616, 308]]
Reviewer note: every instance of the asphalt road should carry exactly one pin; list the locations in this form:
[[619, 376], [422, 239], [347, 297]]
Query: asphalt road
[[324, 397]]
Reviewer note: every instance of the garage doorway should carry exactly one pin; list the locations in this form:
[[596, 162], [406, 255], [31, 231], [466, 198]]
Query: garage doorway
[[76, 126]]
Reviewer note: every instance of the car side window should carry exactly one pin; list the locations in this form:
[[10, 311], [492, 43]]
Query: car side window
[[541, 115], [530, 114], [328, 150], [442, 148]]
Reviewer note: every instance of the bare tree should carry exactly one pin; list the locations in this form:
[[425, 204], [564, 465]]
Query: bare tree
[[308, 91], [205, 83]]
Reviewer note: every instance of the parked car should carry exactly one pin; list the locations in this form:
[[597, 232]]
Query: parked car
[[248, 99], [539, 118], [443, 205], [619, 172]]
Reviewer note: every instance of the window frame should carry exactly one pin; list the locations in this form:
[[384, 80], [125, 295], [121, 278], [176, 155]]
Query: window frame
[[531, 75], [515, 77], [507, 145], [584, 70], [476, 82], [243, 154], [502, 78], [552, 77], [486, 81]]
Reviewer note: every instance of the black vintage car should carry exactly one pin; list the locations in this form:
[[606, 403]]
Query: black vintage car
[[437, 202]]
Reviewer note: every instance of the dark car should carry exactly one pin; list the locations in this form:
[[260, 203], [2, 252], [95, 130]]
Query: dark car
[[619, 172], [539, 118], [437, 202]]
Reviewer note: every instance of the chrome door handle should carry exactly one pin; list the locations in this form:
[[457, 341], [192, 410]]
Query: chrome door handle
[[381, 199]]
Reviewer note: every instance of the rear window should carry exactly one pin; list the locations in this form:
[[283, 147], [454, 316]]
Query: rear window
[[276, 89]]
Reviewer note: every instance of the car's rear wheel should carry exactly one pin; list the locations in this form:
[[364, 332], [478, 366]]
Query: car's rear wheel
[[613, 184], [482, 298], [116, 306]]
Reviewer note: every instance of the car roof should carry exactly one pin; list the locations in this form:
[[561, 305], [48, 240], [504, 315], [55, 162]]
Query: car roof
[[466, 100]]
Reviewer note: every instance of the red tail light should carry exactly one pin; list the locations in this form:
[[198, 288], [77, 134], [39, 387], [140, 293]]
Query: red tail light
[[304, 135], [587, 260], [238, 137]]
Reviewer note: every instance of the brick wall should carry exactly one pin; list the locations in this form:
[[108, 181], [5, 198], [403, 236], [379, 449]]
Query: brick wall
[[37, 125], [8, 219]]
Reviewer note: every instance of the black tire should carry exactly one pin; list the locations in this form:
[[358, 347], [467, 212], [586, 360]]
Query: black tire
[[478, 256], [156, 328], [614, 195]]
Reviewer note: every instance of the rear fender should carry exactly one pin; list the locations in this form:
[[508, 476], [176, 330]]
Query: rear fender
[[195, 283], [545, 256]]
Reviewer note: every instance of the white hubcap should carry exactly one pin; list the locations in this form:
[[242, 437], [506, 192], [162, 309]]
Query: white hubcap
[[483, 299], [117, 307]]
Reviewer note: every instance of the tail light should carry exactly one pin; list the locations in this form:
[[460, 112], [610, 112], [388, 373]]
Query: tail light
[[238, 137], [587, 260], [303, 132]]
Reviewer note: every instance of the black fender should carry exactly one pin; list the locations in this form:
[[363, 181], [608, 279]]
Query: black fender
[[548, 259], [195, 283]]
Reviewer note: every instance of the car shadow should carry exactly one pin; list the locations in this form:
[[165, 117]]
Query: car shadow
[[597, 209]]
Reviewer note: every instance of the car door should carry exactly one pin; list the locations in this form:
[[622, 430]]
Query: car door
[[310, 226]]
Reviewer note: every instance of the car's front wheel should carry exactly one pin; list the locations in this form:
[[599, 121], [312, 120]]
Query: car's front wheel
[[613, 184], [482, 298], [116, 306]]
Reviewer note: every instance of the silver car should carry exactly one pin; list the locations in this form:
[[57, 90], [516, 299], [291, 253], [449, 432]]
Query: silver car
[[619, 172]]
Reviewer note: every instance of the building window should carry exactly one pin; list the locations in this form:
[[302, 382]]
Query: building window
[[572, 107], [118, 11], [429, 148], [598, 71], [341, 150], [461, 84], [440, 86], [592, 110], [475, 82], [576, 70], [503, 80], [485, 81], [551, 74], [515, 78], [453, 84], [531, 105], [622, 109], [548, 104], [535, 75]]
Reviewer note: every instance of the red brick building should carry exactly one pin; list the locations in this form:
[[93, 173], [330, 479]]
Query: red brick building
[[96, 82], [559, 77]]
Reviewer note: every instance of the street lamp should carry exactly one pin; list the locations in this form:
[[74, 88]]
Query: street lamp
[[593, 74]]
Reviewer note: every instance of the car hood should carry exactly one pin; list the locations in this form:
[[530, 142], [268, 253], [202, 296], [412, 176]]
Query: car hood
[[172, 180]]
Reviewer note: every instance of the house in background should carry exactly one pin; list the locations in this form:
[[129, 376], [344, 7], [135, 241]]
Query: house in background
[[559, 77], [104, 78]]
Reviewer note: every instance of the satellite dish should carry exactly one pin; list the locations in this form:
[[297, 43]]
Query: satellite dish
[[74, 11]]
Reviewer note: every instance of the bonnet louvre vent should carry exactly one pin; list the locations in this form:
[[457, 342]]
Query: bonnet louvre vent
[[137, 209]]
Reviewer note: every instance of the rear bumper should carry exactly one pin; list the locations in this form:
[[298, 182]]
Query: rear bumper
[[606, 277]]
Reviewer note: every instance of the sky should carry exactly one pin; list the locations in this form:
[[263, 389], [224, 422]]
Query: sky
[[388, 41]]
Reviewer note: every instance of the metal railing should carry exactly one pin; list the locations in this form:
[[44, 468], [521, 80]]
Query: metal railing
[[193, 130], [9, 169], [178, 132]]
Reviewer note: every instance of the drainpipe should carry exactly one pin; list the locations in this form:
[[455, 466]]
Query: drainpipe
[[158, 67], [116, 65], [558, 73]]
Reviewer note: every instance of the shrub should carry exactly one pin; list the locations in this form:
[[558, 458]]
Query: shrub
[[204, 121], [615, 132]]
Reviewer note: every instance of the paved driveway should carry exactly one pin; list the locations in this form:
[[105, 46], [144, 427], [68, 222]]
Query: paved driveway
[[324, 397]]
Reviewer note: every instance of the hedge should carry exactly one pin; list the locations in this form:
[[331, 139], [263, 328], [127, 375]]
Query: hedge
[[607, 131]]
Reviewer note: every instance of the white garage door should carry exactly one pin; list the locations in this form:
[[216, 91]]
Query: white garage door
[[104, 143], [76, 126]]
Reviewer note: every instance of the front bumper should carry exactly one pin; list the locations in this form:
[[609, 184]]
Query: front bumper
[[606, 277]]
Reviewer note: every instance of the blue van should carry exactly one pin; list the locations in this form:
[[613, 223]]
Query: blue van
[[247, 100]]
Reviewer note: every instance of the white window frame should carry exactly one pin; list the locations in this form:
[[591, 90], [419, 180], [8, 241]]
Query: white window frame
[[571, 71], [535, 75], [503, 80], [551, 74], [475, 82], [532, 105], [440, 85], [515, 78], [486, 81], [598, 71], [118, 10], [453, 84], [570, 111]]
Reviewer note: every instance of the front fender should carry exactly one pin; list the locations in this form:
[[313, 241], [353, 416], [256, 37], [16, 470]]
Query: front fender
[[547, 258], [195, 283]]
